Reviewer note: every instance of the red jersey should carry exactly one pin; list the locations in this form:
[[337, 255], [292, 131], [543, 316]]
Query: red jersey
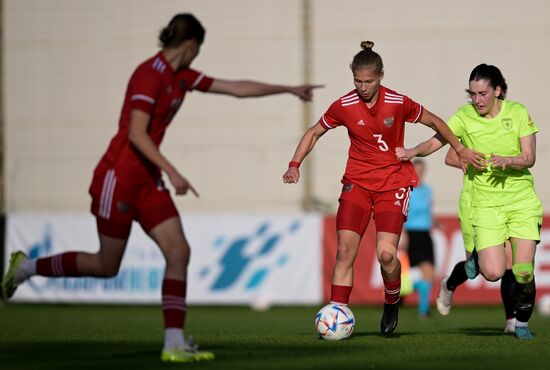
[[374, 134], [154, 88]]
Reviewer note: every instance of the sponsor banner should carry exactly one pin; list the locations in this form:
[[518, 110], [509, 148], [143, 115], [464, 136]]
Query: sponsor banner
[[254, 259], [235, 259], [448, 250]]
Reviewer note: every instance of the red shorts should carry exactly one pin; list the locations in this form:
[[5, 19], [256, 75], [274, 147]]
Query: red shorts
[[357, 205], [116, 205]]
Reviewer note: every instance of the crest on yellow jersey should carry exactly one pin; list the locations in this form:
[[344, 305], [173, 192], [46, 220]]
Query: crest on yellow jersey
[[507, 124]]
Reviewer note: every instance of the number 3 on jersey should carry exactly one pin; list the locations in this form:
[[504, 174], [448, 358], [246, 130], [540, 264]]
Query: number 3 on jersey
[[403, 195], [382, 144]]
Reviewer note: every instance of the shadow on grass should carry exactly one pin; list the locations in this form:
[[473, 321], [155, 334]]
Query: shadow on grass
[[484, 331], [84, 355], [394, 335], [94, 355]]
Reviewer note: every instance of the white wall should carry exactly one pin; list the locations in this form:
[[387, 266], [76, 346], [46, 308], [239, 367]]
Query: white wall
[[66, 65]]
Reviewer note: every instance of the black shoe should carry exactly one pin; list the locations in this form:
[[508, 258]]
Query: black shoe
[[389, 318]]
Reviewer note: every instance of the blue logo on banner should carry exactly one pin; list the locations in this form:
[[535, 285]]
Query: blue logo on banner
[[234, 261]]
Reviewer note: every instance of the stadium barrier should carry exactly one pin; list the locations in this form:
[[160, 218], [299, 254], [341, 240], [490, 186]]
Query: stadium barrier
[[236, 259]]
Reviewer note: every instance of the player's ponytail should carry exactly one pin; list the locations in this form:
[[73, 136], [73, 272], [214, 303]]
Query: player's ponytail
[[367, 58], [182, 27]]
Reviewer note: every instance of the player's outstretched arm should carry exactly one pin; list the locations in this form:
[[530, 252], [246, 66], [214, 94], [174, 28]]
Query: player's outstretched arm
[[466, 155], [247, 88], [423, 149], [306, 144]]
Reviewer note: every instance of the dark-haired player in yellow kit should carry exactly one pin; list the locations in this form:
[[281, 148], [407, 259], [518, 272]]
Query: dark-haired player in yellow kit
[[504, 202]]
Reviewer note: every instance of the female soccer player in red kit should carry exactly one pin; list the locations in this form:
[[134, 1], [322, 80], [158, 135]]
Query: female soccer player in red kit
[[127, 183], [375, 182]]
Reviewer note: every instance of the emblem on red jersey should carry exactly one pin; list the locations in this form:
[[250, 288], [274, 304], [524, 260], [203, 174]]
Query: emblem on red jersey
[[507, 124], [360, 123], [388, 121], [347, 186]]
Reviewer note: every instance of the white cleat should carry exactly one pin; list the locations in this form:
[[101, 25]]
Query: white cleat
[[510, 327], [445, 298], [188, 353]]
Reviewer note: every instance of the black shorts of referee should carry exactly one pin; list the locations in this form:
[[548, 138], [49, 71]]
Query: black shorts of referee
[[421, 247]]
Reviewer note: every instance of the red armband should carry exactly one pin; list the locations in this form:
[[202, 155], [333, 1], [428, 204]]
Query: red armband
[[294, 164]]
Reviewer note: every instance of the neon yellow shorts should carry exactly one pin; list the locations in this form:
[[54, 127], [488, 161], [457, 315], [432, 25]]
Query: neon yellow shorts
[[464, 214], [494, 225]]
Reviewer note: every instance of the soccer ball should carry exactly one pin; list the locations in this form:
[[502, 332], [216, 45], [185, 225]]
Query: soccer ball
[[335, 322], [543, 305]]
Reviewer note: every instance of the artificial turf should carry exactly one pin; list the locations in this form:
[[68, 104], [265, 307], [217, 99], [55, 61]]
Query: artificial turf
[[130, 337]]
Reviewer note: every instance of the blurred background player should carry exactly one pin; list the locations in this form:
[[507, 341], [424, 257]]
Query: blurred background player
[[418, 240], [127, 183], [375, 182], [469, 268], [504, 204]]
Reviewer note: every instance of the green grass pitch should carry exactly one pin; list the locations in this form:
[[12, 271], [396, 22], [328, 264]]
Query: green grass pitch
[[130, 337]]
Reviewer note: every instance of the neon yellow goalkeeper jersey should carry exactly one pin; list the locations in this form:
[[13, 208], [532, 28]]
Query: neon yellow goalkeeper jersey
[[499, 135]]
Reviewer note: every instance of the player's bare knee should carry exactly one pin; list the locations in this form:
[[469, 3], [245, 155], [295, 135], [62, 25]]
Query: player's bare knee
[[386, 257], [386, 253], [492, 274], [178, 255], [345, 252]]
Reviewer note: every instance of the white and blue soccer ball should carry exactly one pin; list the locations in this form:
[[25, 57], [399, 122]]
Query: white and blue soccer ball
[[543, 305], [335, 322]]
